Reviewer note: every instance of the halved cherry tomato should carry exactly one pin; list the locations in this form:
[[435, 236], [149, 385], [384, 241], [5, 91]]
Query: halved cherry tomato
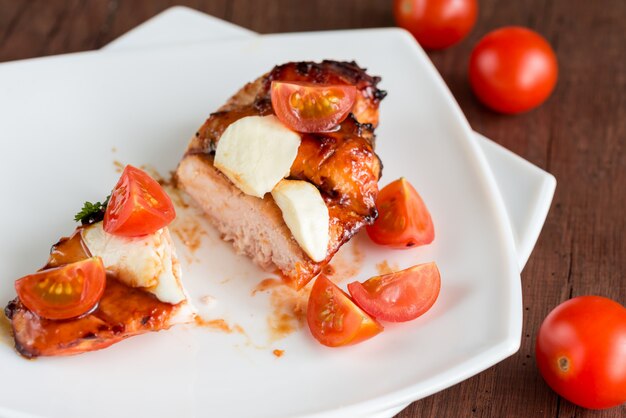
[[400, 296], [138, 205], [335, 320], [581, 351], [63, 292], [403, 219], [308, 107]]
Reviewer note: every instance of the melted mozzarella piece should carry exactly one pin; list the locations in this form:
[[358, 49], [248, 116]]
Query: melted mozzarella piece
[[256, 152], [306, 215], [147, 262]]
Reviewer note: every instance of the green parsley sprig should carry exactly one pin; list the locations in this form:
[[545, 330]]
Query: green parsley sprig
[[92, 212]]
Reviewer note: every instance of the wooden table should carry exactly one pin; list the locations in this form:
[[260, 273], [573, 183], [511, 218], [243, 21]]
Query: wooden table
[[579, 135]]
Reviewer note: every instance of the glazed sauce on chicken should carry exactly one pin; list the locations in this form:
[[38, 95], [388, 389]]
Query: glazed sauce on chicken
[[122, 312], [68, 250], [342, 163]]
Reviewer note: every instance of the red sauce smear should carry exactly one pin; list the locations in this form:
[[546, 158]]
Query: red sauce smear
[[385, 268], [219, 324], [288, 307], [189, 232], [265, 285], [288, 311], [346, 264], [119, 167]]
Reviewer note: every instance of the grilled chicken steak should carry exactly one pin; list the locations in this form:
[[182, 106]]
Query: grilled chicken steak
[[342, 164], [122, 312]]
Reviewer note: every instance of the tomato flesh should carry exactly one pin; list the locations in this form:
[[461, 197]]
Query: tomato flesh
[[513, 70], [403, 219], [334, 319], [63, 292], [581, 351], [400, 296], [436, 24], [138, 205], [308, 107]]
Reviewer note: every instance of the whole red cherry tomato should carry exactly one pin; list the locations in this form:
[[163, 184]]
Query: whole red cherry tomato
[[436, 24], [581, 351], [513, 70]]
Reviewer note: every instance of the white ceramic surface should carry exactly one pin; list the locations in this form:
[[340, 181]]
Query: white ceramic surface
[[68, 118], [526, 189]]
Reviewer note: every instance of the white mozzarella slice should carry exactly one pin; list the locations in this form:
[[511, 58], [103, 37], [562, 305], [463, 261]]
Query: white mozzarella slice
[[306, 215], [148, 262], [256, 152]]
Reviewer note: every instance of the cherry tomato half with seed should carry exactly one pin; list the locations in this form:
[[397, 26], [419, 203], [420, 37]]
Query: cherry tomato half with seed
[[63, 292], [436, 24], [308, 107], [138, 205], [403, 219], [581, 351], [513, 70], [334, 319], [400, 296]]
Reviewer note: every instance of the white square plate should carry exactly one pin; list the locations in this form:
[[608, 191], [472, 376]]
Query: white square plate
[[63, 116]]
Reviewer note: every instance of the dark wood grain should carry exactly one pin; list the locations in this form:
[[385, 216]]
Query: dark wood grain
[[579, 135]]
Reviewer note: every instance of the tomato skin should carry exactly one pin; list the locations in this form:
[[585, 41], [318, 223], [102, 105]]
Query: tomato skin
[[513, 70], [138, 205], [334, 320], [403, 219], [581, 351], [308, 107], [63, 292], [401, 296], [436, 24]]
